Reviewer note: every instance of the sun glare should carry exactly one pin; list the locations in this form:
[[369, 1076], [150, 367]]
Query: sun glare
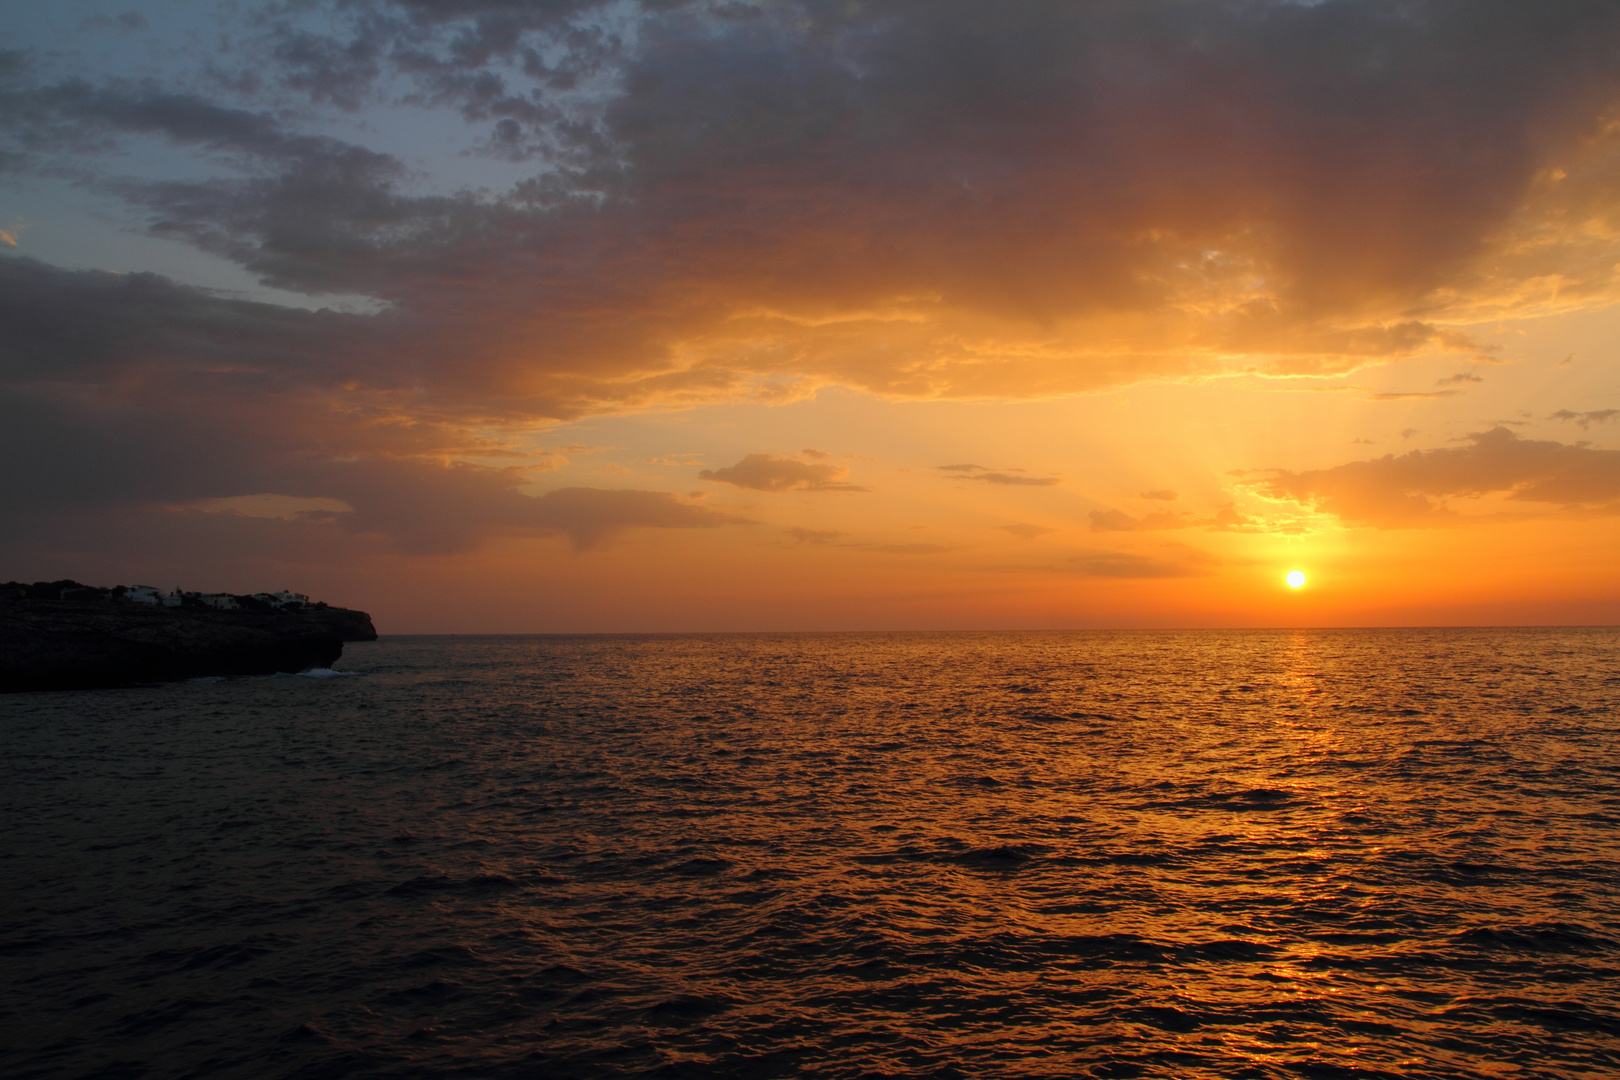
[[1295, 578]]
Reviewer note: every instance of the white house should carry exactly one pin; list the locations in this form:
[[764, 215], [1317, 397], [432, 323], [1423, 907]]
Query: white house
[[148, 594], [282, 599]]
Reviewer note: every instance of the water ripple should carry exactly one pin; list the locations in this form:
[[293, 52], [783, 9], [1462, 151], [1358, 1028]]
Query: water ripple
[[1370, 853]]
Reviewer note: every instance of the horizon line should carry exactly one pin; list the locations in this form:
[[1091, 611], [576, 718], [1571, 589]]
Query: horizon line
[[1024, 630]]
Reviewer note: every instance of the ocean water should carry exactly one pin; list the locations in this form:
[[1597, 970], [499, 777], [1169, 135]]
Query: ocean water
[[1203, 854]]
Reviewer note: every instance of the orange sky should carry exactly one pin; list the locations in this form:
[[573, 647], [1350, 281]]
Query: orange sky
[[758, 316]]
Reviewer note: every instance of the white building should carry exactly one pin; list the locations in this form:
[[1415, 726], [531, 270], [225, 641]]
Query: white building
[[148, 594], [282, 599]]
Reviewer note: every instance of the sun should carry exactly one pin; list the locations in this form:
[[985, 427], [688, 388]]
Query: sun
[[1295, 578]]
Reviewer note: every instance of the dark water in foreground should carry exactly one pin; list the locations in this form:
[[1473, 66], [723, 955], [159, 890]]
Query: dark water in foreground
[[1362, 853]]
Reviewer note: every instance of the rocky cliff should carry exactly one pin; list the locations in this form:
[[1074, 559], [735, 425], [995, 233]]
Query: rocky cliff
[[90, 640]]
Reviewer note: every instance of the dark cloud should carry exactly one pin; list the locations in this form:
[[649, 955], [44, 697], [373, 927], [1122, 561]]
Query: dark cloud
[[139, 331], [589, 516], [1058, 198], [1585, 420], [771, 472], [128, 22], [428, 508], [1410, 490], [93, 327], [78, 108], [1006, 477], [342, 73], [121, 392], [73, 455]]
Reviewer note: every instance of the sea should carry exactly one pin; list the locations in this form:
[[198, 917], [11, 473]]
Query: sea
[[1267, 854]]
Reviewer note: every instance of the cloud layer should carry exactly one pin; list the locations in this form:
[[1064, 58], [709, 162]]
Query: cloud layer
[[911, 198], [773, 472], [725, 201], [1002, 477], [121, 392], [1412, 489]]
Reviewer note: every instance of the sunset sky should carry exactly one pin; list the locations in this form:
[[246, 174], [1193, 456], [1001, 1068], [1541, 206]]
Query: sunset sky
[[490, 316]]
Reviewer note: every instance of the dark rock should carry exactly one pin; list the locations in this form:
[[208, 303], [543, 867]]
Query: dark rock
[[89, 640]]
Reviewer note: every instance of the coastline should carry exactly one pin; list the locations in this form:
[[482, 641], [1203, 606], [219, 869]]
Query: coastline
[[83, 644]]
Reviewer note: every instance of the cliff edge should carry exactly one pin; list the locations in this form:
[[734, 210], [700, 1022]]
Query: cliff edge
[[65, 636]]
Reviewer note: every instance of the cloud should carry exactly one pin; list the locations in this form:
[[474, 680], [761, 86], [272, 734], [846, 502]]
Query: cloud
[[95, 328], [1162, 495], [771, 472], [1122, 564], [423, 508], [1460, 377], [905, 549], [159, 397], [328, 71], [1006, 477], [1119, 521], [1411, 490], [903, 197], [1415, 395], [591, 516], [286, 507], [813, 536], [76, 114], [1585, 420], [128, 22], [1226, 519], [1026, 532], [906, 198]]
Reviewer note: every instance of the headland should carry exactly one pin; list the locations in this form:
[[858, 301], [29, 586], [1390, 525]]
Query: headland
[[62, 635]]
